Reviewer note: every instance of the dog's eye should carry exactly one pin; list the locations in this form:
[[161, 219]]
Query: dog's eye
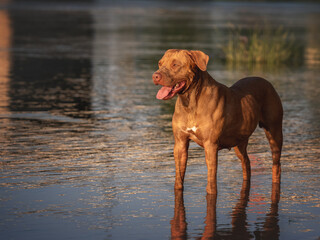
[[174, 65]]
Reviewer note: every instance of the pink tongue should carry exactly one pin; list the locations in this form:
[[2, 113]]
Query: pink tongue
[[163, 92]]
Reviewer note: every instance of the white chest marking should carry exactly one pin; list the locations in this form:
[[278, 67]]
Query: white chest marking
[[193, 129]]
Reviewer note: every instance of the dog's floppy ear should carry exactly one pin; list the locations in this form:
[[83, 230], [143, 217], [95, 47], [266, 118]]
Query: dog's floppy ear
[[200, 58]]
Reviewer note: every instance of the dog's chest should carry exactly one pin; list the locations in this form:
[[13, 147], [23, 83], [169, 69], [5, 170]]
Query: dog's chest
[[191, 130], [187, 124], [193, 133]]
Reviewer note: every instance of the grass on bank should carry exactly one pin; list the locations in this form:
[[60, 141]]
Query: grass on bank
[[262, 46]]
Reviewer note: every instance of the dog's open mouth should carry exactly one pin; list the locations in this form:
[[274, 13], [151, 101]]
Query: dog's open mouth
[[169, 92]]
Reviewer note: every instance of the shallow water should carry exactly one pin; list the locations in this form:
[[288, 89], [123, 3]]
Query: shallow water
[[86, 149]]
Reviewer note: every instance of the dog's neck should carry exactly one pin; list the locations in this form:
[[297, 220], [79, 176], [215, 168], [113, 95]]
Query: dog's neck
[[189, 98]]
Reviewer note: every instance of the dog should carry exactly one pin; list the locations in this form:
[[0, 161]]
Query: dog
[[216, 116]]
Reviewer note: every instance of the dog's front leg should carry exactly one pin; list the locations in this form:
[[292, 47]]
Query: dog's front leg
[[211, 154], [180, 156]]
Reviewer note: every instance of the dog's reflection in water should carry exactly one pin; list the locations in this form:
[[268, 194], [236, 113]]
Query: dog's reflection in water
[[239, 229]]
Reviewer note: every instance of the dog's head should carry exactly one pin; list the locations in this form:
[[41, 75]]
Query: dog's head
[[176, 72]]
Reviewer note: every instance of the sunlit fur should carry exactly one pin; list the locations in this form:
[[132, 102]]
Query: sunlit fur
[[177, 66]]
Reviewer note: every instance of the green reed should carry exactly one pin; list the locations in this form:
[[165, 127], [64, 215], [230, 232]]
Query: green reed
[[262, 46]]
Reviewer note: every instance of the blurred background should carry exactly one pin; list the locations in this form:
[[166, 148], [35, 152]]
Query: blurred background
[[86, 148]]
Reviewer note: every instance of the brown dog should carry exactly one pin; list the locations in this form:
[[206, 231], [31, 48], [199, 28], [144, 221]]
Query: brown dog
[[215, 116]]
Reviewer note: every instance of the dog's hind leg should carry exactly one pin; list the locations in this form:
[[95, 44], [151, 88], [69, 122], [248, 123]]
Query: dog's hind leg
[[275, 138], [241, 151], [271, 121], [272, 115]]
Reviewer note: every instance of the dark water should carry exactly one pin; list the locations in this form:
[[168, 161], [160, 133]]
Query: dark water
[[86, 149]]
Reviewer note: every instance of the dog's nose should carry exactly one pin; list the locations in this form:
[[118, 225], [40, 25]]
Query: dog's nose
[[156, 77]]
